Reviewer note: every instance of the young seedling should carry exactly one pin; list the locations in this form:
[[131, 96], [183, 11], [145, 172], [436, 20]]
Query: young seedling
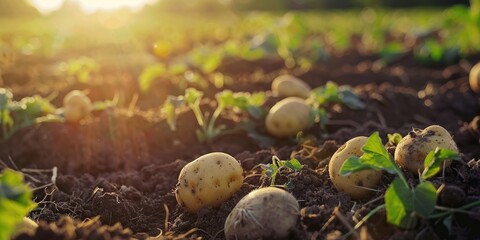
[[272, 169], [169, 108], [15, 203], [26, 112], [403, 203], [332, 93], [225, 100]]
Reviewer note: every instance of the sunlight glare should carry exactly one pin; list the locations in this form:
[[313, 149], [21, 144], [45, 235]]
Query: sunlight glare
[[90, 6]]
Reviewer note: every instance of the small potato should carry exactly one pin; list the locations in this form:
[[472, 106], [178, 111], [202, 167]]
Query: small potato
[[351, 184], [413, 148], [27, 226], [474, 78], [290, 86], [208, 181], [76, 106], [288, 117], [266, 213]]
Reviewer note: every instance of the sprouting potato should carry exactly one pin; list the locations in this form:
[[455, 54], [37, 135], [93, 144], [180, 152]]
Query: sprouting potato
[[415, 146], [355, 184], [288, 117], [266, 213], [290, 86], [76, 106], [208, 181], [474, 78]]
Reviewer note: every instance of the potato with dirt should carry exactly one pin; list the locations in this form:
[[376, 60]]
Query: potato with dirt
[[356, 184], [474, 78], [290, 86], [288, 117], [208, 181], [76, 106], [411, 151], [266, 213]]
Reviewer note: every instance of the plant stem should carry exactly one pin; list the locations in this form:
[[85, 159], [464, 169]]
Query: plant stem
[[449, 211], [211, 122]]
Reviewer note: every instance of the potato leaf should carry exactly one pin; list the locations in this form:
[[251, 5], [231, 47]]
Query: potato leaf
[[5, 98], [15, 201], [403, 204], [375, 156], [434, 160]]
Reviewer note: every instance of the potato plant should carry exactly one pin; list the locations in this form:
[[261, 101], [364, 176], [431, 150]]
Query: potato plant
[[265, 213], [208, 181]]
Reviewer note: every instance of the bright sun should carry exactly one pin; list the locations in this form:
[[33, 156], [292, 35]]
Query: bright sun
[[47, 6]]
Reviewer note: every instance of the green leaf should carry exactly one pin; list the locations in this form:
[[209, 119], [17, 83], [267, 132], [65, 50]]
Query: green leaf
[[350, 99], [394, 139], [149, 74], [193, 96], [15, 201], [434, 159], [404, 204], [293, 164], [375, 156]]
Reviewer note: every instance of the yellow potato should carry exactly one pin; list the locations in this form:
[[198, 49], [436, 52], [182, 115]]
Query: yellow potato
[[288, 117], [352, 184], [266, 213], [76, 106], [474, 78], [27, 226], [290, 86], [413, 148], [208, 181]]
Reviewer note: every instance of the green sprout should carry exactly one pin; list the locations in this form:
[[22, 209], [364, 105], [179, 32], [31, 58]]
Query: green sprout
[[272, 169], [394, 139], [15, 201], [80, 69], [404, 203], [209, 130]]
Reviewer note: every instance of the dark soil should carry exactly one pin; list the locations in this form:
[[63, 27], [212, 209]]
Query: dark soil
[[122, 166]]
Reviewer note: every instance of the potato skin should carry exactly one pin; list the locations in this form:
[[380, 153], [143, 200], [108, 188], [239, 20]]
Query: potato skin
[[413, 148], [474, 78], [364, 178], [266, 213], [290, 86], [76, 106], [208, 181], [288, 117], [27, 226]]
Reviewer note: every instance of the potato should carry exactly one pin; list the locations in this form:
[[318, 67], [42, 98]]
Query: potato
[[413, 148], [208, 181], [474, 78], [351, 184], [266, 213], [76, 106], [290, 86], [27, 226], [288, 117]]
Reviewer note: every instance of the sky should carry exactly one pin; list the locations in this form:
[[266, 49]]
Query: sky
[[89, 6]]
